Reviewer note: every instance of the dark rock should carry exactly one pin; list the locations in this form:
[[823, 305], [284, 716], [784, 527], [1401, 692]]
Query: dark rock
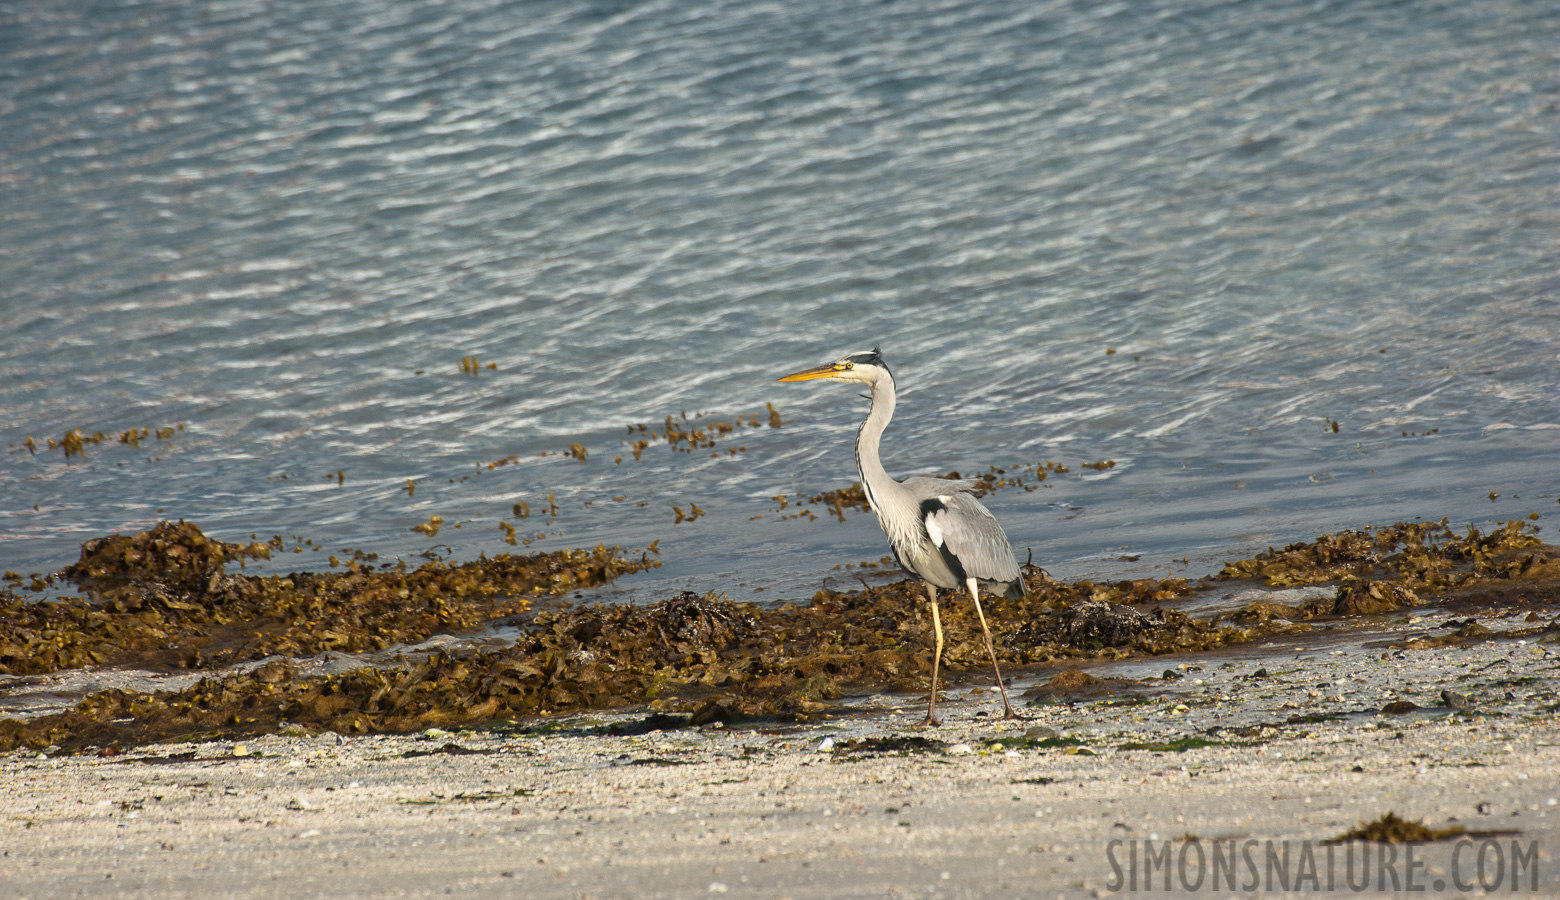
[[653, 722], [1472, 630], [892, 744], [713, 711], [1091, 624], [1456, 700], [1073, 685]]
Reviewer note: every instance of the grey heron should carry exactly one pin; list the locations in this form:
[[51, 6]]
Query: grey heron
[[936, 528]]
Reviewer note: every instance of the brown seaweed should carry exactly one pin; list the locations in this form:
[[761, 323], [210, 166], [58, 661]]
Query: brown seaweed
[[686, 654], [164, 597], [1393, 567], [1390, 828], [700, 431], [678, 654]]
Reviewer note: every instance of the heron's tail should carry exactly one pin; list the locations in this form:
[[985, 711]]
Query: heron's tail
[[1015, 589]]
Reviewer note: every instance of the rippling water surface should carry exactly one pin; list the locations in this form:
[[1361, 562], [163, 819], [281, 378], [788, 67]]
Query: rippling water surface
[[284, 224]]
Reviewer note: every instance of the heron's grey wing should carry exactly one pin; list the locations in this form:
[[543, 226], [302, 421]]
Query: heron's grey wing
[[963, 528]]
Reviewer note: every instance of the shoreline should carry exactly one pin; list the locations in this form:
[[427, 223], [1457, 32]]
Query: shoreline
[[564, 808], [162, 595]]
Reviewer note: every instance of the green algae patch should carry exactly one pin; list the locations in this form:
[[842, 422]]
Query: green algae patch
[[164, 598], [1029, 743], [1179, 745]]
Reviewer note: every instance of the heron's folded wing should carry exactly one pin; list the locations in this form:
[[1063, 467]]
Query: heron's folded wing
[[961, 526]]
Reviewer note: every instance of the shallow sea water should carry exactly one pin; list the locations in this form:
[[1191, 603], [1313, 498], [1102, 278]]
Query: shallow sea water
[[284, 225]]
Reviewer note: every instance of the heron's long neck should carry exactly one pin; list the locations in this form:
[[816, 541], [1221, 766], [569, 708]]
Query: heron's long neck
[[878, 485]]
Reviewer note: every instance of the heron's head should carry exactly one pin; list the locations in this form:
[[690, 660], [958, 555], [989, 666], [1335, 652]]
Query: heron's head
[[862, 367]]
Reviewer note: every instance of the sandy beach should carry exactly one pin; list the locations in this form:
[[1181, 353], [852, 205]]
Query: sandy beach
[[1275, 749]]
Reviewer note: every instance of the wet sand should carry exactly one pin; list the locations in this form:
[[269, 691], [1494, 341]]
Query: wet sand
[[1275, 743]]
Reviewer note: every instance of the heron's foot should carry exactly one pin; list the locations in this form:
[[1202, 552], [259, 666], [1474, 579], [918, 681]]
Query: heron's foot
[[931, 721], [1009, 715]]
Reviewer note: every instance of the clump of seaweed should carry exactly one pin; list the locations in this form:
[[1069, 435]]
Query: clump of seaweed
[[694, 512], [74, 442], [1389, 568], [173, 555], [471, 365], [836, 501], [163, 597], [1418, 553], [1391, 828]]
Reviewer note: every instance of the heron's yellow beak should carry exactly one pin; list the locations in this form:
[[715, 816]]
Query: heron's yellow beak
[[823, 371]]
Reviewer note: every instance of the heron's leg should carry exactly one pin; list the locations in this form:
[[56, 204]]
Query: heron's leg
[[931, 709], [1007, 708]]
